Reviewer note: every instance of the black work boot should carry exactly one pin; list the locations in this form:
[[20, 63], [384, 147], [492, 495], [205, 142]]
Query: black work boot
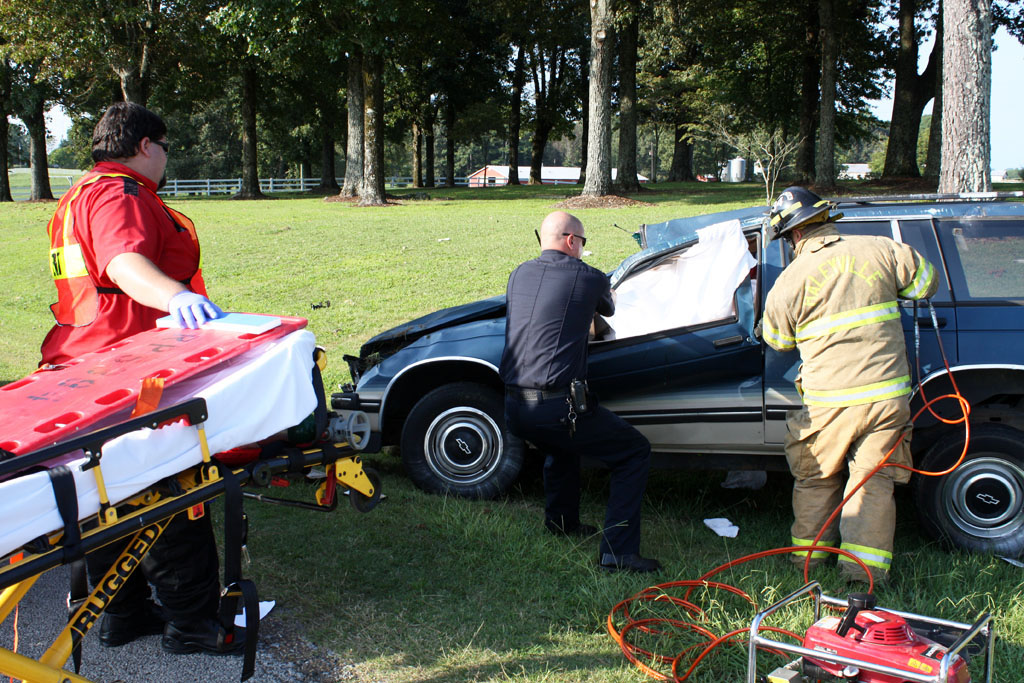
[[121, 629], [628, 563], [202, 635]]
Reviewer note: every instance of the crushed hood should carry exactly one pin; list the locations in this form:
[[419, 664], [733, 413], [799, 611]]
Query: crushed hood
[[398, 337]]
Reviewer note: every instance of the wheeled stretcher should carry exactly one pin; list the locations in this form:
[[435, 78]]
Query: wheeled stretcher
[[78, 471]]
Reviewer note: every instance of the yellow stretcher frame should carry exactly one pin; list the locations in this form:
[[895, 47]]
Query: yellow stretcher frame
[[151, 509]]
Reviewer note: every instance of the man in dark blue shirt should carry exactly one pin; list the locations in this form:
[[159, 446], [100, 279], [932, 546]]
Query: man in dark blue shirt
[[551, 304]]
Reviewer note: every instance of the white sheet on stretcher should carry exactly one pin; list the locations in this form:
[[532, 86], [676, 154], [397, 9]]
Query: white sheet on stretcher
[[248, 398]]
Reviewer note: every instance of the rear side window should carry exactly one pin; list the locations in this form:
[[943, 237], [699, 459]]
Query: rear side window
[[985, 258], [915, 232]]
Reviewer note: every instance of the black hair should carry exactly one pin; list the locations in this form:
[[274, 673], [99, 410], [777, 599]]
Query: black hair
[[122, 128]]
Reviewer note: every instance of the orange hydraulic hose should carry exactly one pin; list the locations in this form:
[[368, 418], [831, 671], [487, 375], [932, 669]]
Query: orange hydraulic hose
[[659, 592]]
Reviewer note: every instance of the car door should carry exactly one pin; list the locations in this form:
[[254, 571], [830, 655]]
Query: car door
[[918, 232], [985, 258], [694, 388]]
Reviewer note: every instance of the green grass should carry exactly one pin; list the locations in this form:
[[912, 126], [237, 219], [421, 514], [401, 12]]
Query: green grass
[[427, 588]]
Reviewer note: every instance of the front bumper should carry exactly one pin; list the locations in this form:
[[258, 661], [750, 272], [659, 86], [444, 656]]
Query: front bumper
[[347, 402]]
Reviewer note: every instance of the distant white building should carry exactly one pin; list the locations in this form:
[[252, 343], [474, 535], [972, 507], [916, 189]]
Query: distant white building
[[854, 172], [549, 175]]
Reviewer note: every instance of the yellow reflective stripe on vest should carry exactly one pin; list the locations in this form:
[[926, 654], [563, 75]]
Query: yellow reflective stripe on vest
[[67, 262], [72, 264], [872, 557], [776, 338], [816, 554], [847, 320], [868, 393], [921, 282]]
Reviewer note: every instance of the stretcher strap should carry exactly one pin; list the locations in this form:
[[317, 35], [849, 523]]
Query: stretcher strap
[[77, 594], [66, 495], [149, 396], [252, 623], [234, 539], [320, 412]]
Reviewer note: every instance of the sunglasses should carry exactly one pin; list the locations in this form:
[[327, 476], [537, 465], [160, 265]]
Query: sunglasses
[[164, 145], [581, 238]]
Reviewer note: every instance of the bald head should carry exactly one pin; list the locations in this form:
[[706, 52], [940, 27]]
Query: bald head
[[562, 231]]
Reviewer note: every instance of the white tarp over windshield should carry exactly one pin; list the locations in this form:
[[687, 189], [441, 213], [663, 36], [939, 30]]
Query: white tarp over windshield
[[694, 287]]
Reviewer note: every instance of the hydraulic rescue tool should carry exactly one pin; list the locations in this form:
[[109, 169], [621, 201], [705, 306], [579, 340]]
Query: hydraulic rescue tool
[[869, 645]]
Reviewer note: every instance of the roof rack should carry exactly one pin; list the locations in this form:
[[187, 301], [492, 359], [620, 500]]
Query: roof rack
[[969, 196]]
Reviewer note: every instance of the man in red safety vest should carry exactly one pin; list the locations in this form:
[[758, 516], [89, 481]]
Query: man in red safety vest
[[837, 304], [120, 259]]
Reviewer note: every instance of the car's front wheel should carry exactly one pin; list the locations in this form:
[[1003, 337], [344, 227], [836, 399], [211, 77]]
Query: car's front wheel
[[979, 506], [454, 441]]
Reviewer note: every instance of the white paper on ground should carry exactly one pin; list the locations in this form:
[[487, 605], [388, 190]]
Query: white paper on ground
[[722, 526], [265, 607]]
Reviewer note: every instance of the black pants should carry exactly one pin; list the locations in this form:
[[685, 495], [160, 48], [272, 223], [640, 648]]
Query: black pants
[[182, 565], [601, 435]]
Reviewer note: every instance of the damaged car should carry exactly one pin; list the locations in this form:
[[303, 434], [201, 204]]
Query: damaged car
[[683, 362]]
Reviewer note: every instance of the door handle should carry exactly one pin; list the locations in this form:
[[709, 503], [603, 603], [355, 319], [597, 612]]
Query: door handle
[[727, 341], [926, 321]]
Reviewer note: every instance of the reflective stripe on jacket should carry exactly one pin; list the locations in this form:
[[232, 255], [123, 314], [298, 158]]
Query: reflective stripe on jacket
[[837, 302], [77, 296]]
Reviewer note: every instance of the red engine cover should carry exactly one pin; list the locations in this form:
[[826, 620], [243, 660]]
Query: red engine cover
[[883, 638]]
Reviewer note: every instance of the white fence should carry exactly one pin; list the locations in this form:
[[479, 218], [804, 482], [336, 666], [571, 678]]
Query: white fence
[[59, 184]]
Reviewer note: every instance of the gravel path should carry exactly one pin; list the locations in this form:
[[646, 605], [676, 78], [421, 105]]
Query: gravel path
[[284, 655]]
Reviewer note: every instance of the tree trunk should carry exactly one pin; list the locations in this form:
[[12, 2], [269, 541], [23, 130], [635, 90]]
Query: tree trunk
[[627, 44], [134, 86], [449, 150], [5, 96], [825, 171], [515, 116], [328, 173], [654, 153], [5, 181], [372, 192], [354, 140], [250, 170], [966, 96], [585, 126], [540, 141], [599, 132], [428, 142], [934, 158], [910, 95], [33, 118], [682, 157], [809, 97], [417, 156]]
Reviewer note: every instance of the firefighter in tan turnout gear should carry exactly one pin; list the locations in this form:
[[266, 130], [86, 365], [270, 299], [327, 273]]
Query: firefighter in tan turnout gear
[[837, 304]]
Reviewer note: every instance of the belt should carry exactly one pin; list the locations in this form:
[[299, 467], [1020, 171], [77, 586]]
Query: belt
[[525, 394]]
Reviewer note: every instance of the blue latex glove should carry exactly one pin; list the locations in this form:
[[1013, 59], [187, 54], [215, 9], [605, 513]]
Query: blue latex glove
[[192, 310]]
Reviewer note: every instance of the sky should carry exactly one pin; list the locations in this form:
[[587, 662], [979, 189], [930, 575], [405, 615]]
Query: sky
[[1007, 104], [1007, 101]]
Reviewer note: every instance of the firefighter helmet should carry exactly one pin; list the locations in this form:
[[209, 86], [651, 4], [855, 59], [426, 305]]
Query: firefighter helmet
[[796, 208]]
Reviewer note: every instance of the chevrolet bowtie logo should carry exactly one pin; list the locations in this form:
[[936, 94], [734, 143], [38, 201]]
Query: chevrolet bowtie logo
[[463, 446], [987, 498]]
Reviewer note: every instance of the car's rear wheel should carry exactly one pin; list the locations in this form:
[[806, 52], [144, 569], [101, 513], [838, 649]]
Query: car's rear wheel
[[980, 505], [454, 441]]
